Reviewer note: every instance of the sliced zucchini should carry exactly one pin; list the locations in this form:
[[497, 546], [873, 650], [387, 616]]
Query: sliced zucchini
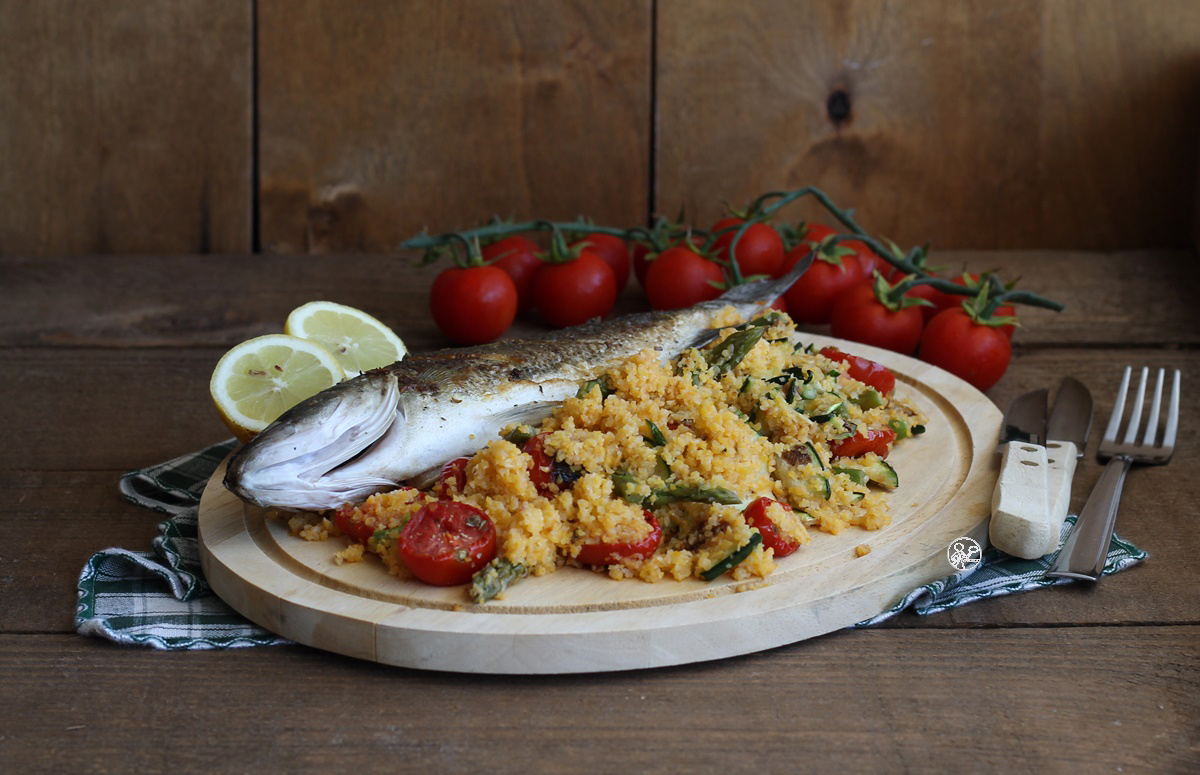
[[881, 472], [733, 558], [857, 475]]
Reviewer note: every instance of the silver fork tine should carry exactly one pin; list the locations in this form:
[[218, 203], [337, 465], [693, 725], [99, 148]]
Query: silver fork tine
[[1136, 418], [1172, 414], [1114, 419], [1152, 422]]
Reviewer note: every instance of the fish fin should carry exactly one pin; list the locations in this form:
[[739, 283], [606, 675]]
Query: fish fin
[[765, 292], [526, 413]]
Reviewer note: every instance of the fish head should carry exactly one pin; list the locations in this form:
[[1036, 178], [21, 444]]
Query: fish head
[[306, 458]]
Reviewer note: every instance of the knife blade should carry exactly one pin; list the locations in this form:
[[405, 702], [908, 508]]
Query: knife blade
[[1020, 523], [1066, 437]]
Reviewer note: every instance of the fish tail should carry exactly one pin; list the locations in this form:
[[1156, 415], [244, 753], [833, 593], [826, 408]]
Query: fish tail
[[763, 293]]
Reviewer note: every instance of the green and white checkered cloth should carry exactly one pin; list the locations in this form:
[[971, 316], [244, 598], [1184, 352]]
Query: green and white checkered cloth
[[161, 599]]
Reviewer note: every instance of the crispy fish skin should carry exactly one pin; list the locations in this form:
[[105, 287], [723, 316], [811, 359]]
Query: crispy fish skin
[[390, 425]]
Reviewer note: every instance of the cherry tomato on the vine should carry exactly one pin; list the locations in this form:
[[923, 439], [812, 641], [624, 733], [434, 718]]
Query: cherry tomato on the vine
[[970, 281], [574, 291], [640, 257], [518, 257], [446, 542], [864, 370], [609, 552], [473, 305], [868, 260], [756, 516], [876, 440], [815, 233], [759, 251], [613, 250], [861, 317], [811, 298], [976, 352], [680, 277]]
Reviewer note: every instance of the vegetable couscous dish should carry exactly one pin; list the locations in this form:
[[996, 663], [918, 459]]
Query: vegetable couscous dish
[[719, 461]]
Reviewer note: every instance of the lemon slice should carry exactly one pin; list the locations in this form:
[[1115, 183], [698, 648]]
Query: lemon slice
[[357, 340], [261, 378]]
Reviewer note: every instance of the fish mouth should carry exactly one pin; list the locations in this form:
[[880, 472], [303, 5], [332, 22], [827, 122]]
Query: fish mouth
[[305, 459]]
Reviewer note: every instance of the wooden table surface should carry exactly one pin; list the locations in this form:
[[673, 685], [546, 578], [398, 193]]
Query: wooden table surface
[[106, 364]]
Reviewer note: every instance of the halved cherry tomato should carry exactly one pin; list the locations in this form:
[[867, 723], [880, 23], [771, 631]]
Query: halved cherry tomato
[[545, 471], [517, 256], [453, 477], [541, 470], [473, 305], [613, 250], [357, 532], [759, 251], [861, 443], [446, 542], [680, 277], [607, 553], [864, 370], [575, 291], [756, 516]]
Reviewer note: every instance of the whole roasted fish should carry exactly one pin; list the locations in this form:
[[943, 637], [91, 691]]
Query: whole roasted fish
[[390, 425]]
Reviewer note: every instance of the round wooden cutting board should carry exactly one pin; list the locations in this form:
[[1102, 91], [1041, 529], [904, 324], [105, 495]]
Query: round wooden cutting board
[[576, 620]]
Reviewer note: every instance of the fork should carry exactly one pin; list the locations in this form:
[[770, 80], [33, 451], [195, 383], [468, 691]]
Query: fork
[[1084, 553]]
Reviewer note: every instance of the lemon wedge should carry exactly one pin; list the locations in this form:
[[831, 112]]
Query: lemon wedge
[[357, 340], [261, 378]]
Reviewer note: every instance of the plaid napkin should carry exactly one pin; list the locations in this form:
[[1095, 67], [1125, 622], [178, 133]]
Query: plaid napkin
[[161, 599]]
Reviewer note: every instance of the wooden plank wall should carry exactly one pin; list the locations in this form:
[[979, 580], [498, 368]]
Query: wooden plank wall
[[310, 126]]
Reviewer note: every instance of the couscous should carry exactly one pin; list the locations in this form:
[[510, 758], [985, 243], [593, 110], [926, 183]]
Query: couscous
[[717, 462]]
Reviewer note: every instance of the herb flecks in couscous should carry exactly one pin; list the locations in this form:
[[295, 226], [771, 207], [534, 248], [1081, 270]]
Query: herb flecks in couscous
[[714, 463]]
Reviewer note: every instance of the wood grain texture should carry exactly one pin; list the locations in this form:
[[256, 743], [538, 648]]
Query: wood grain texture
[[379, 119], [127, 127], [1031, 124], [864, 701]]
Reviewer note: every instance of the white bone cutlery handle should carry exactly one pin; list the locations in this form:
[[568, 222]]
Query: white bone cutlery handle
[[1061, 458], [1021, 523]]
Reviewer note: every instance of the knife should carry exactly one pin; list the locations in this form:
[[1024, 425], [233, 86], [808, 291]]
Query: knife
[[1066, 434], [1033, 492]]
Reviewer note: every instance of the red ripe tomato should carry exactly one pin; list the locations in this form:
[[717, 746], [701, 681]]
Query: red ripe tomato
[[860, 317], [473, 305], [811, 298], [864, 370], [607, 553], [680, 277], [446, 542], [518, 257], [453, 477], [877, 441], [975, 352], [541, 470], [756, 516], [970, 280], [613, 250], [358, 532], [575, 291], [815, 233], [759, 251], [868, 260]]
